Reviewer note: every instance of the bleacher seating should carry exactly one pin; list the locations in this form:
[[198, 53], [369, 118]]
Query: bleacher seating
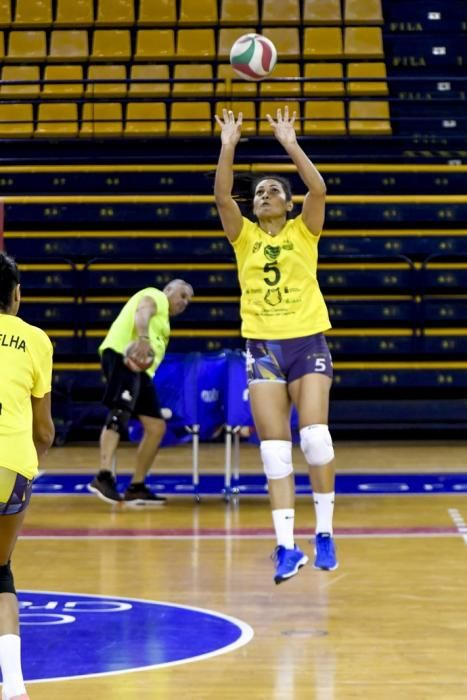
[[88, 237]]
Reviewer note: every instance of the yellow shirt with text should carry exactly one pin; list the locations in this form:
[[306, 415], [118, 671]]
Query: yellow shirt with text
[[281, 297], [25, 371]]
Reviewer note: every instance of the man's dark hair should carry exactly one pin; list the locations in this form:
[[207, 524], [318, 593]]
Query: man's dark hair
[[9, 278]]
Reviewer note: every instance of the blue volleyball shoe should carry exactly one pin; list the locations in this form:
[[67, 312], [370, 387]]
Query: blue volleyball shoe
[[288, 562], [325, 552]]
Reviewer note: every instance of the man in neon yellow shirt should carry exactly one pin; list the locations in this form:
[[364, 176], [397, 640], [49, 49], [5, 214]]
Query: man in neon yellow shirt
[[26, 433], [143, 322]]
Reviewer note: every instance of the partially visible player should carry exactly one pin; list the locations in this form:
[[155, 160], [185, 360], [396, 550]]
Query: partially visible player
[[283, 319], [26, 433], [144, 323]]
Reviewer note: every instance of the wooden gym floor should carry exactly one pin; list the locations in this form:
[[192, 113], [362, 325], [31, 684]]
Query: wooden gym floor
[[389, 624]]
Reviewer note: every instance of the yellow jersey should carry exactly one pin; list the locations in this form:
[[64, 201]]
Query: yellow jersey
[[281, 297], [25, 371], [123, 330]]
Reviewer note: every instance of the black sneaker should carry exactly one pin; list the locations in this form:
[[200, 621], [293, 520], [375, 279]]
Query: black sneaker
[[138, 495], [104, 485]]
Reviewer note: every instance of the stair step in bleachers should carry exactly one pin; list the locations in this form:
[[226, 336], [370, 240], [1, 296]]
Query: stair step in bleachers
[[212, 246], [341, 178], [343, 210]]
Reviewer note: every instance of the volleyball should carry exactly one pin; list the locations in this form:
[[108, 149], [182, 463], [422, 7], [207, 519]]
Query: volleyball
[[133, 364], [253, 56]]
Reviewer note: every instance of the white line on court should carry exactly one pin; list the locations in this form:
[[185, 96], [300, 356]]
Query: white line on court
[[459, 522]]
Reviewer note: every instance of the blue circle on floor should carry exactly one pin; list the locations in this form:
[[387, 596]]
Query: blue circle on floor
[[65, 635]]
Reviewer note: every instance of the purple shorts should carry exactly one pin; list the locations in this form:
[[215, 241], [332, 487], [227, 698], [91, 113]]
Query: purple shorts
[[15, 490], [287, 360]]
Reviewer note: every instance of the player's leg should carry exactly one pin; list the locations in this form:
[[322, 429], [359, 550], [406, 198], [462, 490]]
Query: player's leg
[[270, 406], [120, 397], [15, 492], [149, 413], [310, 394]]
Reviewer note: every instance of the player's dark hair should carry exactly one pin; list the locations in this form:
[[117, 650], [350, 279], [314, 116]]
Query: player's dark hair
[[9, 278]]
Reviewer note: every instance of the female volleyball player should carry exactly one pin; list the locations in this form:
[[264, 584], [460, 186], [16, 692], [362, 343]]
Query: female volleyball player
[[283, 319], [26, 432]]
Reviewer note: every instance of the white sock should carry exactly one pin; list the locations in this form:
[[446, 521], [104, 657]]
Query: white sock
[[10, 663], [324, 509], [283, 519]]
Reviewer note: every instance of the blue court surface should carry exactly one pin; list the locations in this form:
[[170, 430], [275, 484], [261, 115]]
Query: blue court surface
[[66, 635], [255, 484]]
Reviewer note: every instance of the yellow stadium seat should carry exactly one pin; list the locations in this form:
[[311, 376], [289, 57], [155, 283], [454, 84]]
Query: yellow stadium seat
[[322, 42], [57, 120], [146, 119], [106, 89], [322, 12], [248, 110], [197, 12], [201, 72], [231, 84], [227, 36], [190, 118], [155, 44], [5, 13], [324, 117], [2, 46], [101, 119], [367, 117], [363, 12], [69, 45], [154, 72], [283, 12], [116, 13], [367, 70], [75, 13], [239, 12], [314, 71], [33, 13], [264, 129], [157, 13], [16, 120], [196, 44], [27, 46], [363, 42], [51, 89], [111, 45], [282, 70], [14, 73], [286, 40]]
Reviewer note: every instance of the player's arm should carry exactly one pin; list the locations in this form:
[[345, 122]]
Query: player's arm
[[314, 202], [229, 211], [146, 309], [43, 429]]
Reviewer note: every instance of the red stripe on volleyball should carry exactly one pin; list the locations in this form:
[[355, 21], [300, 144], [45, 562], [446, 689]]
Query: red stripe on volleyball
[[244, 69], [266, 56]]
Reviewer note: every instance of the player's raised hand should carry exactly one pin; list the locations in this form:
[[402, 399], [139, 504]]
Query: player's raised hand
[[283, 126], [231, 128]]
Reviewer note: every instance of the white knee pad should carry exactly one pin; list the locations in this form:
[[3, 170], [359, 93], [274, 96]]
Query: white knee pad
[[277, 458], [316, 444]]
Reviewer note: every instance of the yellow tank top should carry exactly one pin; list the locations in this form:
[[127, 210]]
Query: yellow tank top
[[281, 297]]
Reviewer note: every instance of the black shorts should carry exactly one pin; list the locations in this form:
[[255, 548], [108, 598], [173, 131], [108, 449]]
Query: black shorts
[[127, 390]]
